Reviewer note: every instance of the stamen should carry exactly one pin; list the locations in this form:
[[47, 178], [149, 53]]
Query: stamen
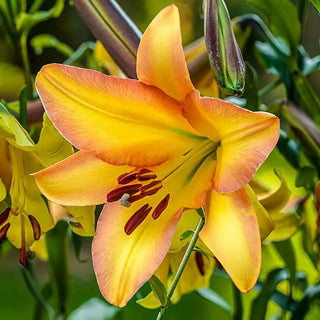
[[161, 207], [4, 216], [151, 188], [35, 226], [146, 174], [3, 231], [117, 193], [200, 262], [136, 197], [128, 177], [124, 200], [137, 219]]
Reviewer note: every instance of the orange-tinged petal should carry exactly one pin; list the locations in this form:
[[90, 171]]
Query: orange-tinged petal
[[231, 232], [82, 179], [122, 120], [246, 138], [123, 263], [160, 57]]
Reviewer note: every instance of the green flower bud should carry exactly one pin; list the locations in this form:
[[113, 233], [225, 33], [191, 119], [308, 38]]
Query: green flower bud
[[224, 54]]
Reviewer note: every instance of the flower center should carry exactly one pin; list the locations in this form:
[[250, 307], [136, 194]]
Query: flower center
[[139, 184]]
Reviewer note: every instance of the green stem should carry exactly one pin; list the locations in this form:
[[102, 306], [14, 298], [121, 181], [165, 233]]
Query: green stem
[[182, 265], [26, 64], [269, 87]]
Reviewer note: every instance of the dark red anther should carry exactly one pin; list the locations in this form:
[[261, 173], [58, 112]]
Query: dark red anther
[[161, 207], [200, 262], [3, 231], [128, 177], [35, 226], [146, 174], [4, 216], [136, 197], [151, 188], [117, 193], [136, 219]]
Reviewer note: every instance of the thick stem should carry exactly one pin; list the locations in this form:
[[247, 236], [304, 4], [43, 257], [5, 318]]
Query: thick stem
[[182, 265]]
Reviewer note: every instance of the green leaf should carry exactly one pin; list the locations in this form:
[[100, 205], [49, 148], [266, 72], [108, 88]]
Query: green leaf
[[316, 4], [311, 293], [94, 309], [215, 298], [33, 287], [57, 246], [251, 90], [77, 245], [186, 234], [259, 304], [84, 49], [159, 290], [307, 177], [23, 107], [290, 149], [286, 251], [283, 20], [42, 41], [26, 21]]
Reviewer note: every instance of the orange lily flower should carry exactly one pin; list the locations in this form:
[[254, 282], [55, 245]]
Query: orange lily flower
[[159, 148]]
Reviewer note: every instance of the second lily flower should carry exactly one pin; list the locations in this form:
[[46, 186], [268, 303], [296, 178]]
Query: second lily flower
[[159, 148]]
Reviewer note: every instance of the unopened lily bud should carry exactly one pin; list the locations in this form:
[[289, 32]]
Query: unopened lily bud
[[224, 54], [110, 25]]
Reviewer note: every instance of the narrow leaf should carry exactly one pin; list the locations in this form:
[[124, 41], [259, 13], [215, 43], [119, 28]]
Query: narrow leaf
[[158, 289], [215, 298]]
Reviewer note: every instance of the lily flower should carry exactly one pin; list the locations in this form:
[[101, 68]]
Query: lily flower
[[157, 147], [24, 215]]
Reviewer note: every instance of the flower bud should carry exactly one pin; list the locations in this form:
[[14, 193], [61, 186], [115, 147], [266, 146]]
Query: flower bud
[[224, 54], [110, 25]]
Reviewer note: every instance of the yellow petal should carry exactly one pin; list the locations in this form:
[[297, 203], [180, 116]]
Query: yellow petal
[[196, 274], [123, 263], [51, 147], [119, 258], [286, 224], [151, 301], [160, 57], [188, 221], [5, 167], [266, 224], [122, 120], [246, 138], [29, 215], [80, 219], [231, 232], [80, 180]]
